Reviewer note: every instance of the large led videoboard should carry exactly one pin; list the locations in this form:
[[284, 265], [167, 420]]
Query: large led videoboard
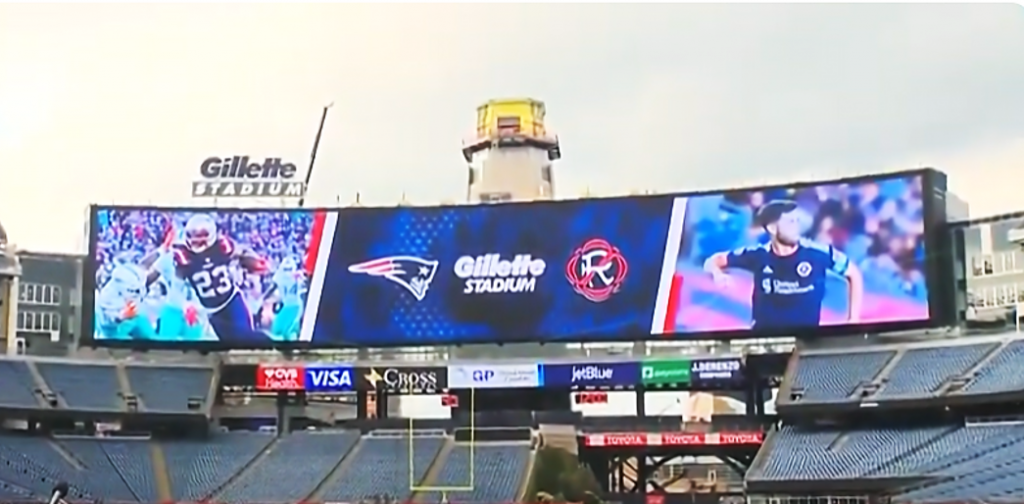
[[786, 259], [778, 261], [238, 278]]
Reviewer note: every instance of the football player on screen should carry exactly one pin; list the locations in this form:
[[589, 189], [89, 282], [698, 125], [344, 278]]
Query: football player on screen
[[789, 272], [288, 287], [204, 261], [179, 313], [119, 302]]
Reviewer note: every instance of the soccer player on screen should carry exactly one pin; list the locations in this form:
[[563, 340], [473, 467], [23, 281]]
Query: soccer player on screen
[[789, 272], [205, 262]]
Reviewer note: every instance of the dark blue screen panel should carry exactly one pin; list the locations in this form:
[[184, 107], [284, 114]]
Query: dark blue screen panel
[[545, 271]]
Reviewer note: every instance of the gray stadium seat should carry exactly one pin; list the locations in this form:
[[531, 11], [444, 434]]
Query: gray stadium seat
[[19, 386], [381, 467], [498, 471], [167, 388], [83, 386], [833, 377], [197, 468], [292, 469], [921, 371]]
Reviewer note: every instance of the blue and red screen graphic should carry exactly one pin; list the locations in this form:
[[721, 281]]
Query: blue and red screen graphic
[[767, 261], [549, 271]]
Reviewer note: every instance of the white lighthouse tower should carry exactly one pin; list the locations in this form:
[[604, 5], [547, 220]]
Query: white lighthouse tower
[[510, 156]]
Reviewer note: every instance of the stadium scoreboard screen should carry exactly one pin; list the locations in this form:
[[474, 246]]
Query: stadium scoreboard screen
[[759, 262]]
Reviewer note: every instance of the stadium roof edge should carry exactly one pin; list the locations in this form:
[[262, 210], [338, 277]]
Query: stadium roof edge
[[104, 362], [946, 342], [1017, 214], [383, 363]]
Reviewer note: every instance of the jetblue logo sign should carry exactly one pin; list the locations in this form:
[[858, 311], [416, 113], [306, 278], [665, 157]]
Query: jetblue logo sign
[[240, 176], [617, 374], [498, 376], [591, 373], [329, 379]]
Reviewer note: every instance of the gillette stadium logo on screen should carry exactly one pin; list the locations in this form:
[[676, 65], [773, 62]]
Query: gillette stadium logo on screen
[[492, 273], [483, 274], [245, 177]]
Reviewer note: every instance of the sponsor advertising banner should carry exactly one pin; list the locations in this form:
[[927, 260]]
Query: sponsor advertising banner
[[398, 379], [313, 378], [716, 371], [330, 378], [606, 374], [279, 377], [496, 376], [673, 439], [774, 261], [665, 372]]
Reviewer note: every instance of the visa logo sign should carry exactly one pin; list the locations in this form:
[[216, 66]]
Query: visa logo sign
[[329, 378]]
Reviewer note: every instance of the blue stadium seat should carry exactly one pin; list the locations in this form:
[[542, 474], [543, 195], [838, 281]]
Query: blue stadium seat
[[133, 460], [496, 476], [922, 370], [19, 386], [83, 386], [32, 463], [981, 462], [381, 467], [168, 389], [949, 454], [198, 468], [291, 469], [991, 469], [833, 377], [104, 478], [1002, 373], [813, 454]]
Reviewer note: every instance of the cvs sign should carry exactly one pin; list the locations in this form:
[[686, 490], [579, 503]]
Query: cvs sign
[[329, 378], [278, 377]]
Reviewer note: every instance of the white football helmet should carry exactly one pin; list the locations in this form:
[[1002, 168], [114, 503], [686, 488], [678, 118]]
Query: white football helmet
[[200, 232], [288, 265], [130, 281]]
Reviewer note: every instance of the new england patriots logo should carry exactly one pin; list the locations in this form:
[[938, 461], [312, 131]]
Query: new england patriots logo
[[412, 273]]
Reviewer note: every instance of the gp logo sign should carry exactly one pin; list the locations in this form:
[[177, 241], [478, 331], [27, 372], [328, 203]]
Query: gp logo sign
[[276, 377]]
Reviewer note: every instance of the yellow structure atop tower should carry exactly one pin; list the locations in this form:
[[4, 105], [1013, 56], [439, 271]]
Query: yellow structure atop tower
[[511, 152]]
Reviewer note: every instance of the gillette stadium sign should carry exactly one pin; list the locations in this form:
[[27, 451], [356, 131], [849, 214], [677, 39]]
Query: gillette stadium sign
[[245, 177]]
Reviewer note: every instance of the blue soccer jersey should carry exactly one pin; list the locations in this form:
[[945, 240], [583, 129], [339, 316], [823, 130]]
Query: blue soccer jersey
[[788, 289]]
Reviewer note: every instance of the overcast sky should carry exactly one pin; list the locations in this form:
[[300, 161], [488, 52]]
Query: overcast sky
[[120, 103]]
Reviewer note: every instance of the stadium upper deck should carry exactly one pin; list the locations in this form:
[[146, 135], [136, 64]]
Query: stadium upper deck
[[899, 373]]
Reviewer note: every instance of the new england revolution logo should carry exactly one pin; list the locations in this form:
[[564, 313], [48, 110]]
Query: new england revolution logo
[[596, 270], [413, 273]]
